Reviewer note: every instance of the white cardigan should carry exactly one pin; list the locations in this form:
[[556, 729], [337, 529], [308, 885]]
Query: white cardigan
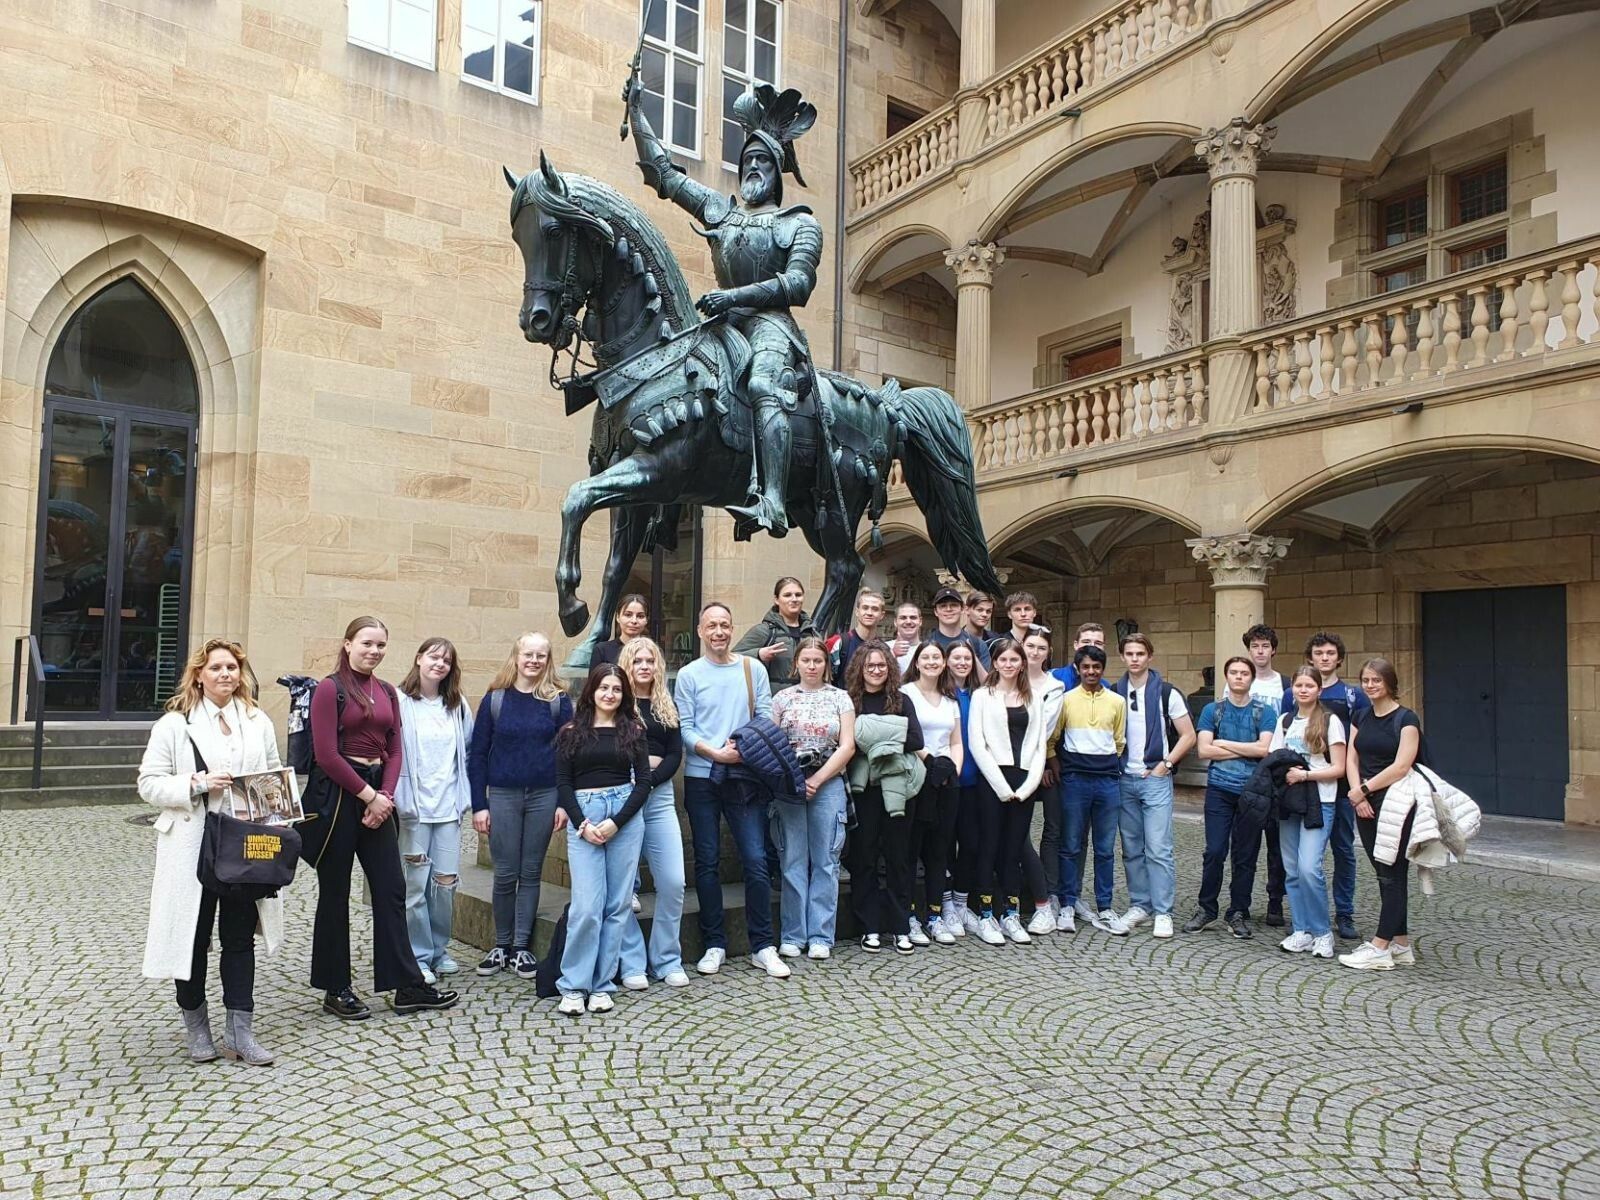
[[164, 777], [989, 741]]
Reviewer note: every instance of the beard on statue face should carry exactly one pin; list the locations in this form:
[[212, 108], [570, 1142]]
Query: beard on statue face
[[758, 179]]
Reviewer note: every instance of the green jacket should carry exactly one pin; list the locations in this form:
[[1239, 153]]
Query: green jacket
[[881, 760]]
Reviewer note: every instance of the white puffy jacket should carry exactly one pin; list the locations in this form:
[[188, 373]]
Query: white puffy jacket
[[1447, 818]]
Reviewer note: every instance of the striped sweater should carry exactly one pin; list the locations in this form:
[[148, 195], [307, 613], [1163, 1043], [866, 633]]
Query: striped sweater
[[1093, 727]]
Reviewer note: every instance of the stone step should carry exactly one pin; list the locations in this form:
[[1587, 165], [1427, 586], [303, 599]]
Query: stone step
[[73, 756], [78, 733], [63, 797], [110, 776]]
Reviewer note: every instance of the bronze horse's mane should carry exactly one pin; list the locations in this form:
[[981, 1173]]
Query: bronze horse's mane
[[601, 209]]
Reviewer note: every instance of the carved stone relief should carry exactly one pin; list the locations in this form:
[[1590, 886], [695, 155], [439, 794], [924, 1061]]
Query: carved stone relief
[[1189, 264]]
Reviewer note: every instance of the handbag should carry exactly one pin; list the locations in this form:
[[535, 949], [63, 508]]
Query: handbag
[[244, 860]]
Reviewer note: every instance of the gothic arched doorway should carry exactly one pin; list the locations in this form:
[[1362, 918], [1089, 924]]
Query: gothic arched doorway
[[116, 508]]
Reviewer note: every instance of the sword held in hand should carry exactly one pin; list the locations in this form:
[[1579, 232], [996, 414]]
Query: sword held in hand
[[633, 70]]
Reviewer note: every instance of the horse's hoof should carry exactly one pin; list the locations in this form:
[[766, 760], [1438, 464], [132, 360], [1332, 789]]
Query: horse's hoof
[[575, 620]]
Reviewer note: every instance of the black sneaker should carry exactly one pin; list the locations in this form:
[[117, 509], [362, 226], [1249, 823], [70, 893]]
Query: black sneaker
[[525, 965], [494, 962], [1346, 927], [423, 996], [345, 1005], [1274, 915], [1201, 920], [871, 943], [903, 945], [1239, 926]]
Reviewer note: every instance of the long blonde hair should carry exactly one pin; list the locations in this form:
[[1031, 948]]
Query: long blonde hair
[[661, 705], [548, 685], [1317, 722], [189, 687]]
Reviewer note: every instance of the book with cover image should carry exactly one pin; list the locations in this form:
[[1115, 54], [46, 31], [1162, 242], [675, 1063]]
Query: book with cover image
[[266, 797]]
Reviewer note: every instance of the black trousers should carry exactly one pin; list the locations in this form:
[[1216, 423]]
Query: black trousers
[[393, 963], [1392, 877], [969, 834], [882, 905], [1049, 855], [931, 835], [1018, 859], [237, 961], [1277, 882]]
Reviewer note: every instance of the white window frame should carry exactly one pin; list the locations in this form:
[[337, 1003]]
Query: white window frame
[[673, 53], [431, 7], [498, 83], [747, 76]]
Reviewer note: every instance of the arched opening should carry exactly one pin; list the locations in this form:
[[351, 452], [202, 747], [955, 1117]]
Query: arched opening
[[116, 507]]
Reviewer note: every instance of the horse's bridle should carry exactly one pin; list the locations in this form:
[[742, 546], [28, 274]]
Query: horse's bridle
[[569, 299]]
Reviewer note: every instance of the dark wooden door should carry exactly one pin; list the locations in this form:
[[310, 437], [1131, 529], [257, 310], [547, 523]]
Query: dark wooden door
[[1495, 682]]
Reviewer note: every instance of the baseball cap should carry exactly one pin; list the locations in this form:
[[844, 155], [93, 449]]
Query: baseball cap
[[944, 595]]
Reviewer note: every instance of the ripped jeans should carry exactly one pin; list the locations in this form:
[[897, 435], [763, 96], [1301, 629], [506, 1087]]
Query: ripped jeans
[[430, 854]]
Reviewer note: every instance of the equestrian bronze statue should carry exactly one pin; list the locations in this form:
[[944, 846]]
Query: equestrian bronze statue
[[728, 408]]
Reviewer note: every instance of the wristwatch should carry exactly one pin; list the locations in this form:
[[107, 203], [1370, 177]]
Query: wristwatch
[[1365, 790]]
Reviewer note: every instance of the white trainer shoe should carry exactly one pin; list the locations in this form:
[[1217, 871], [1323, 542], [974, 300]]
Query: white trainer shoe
[[1065, 922], [1081, 907], [1296, 943], [971, 922], [789, 950], [767, 960], [953, 922], [1163, 926], [1367, 957], [600, 1002], [917, 934], [428, 977], [1042, 921], [1011, 926], [818, 952], [711, 961], [634, 903], [989, 932], [941, 932], [1134, 918], [676, 978], [1111, 923], [1403, 955], [636, 983], [1322, 947], [571, 1004]]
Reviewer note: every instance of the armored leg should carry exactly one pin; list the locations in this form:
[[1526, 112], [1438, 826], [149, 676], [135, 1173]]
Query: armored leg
[[772, 402]]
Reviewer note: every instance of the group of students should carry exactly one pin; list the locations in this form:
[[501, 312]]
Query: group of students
[[928, 753]]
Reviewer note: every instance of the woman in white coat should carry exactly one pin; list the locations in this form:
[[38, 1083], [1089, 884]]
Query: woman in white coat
[[212, 713]]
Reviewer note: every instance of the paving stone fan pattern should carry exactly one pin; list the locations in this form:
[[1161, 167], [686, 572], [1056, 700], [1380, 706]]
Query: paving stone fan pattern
[[1081, 1066]]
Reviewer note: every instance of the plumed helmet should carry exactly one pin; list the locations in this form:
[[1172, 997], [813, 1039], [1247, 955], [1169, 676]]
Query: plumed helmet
[[775, 119]]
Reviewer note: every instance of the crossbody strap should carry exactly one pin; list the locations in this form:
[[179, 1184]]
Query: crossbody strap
[[749, 684]]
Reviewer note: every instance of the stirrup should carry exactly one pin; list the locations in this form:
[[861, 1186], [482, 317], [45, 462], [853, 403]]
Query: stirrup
[[759, 514]]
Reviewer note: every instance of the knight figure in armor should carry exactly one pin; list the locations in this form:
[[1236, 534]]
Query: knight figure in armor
[[765, 256]]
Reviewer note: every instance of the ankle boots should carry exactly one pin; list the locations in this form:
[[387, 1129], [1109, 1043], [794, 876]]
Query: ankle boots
[[239, 1043], [197, 1035]]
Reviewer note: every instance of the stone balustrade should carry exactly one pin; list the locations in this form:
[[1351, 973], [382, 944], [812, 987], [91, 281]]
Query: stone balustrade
[[1034, 90], [1514, 311]]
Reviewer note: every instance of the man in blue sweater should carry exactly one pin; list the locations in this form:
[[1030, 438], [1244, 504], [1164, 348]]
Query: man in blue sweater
[[716, 694]]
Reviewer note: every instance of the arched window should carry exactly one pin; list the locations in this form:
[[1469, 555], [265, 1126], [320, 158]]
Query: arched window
[[121, 347]]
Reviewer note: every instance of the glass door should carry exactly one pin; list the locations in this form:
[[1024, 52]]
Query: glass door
[[115, 524]]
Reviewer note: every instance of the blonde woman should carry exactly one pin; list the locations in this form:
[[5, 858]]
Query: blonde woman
[[512, 770], [645, 666], [212, 731]]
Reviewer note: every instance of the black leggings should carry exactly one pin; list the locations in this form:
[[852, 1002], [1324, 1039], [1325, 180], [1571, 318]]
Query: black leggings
[[882, 908], [930, 840], [237, 961], [1016, 820], [1392, 900], [969, 838]]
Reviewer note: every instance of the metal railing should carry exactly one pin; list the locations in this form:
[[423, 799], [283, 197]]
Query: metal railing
[[35, 698]]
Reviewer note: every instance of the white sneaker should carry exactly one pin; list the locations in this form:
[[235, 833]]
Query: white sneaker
[[1163, 928], [1322, 947], [448, 966], [637, 907], [1134, 918], [767, 960], [1111, 923], [428, 977], [636, 983], [789, 950], [953, 923], [600, 1002], [1367, 957], [1012, 927], [940, 932], [571, 1004], [819, 952], [1065, 922], [711, 961], [1403, 956], [1081, 907], [971, 923], [1042, 921], [989, 932], [1296, 943], [675, 979], [917, 934]]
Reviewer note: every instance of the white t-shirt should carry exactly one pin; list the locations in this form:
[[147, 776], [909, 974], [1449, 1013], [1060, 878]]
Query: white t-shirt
[[1176, 707], [938, 721], [1268, 689], [436, 751], [1295, 739]]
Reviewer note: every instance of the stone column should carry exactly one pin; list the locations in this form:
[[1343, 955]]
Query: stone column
[[974, 265], [1240, 563], [1232, 154], [977, 64]]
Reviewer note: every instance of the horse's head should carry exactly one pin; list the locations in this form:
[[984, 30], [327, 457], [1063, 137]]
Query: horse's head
[[562, 248]]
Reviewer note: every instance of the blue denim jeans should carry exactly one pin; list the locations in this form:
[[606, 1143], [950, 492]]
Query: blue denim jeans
[[663, 850], [1089, 805], [1344, 857], [1229, 834], [748, 823], [430, 850], [1147, 853], [1305, 881], [602, 894], [810, 837]]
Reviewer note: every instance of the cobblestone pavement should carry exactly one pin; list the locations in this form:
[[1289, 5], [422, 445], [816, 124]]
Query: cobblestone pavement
[[1079, 1066]]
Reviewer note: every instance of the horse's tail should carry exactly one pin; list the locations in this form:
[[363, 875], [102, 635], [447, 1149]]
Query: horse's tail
[[937, 457]]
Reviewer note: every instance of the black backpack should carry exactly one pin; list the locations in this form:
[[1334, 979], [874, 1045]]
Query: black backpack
[[302, 754]]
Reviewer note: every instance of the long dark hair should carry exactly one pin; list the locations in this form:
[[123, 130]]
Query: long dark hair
[[579, 732], [347, 673], [450, 688], [855, 682], [1007, 645], [945, 684]]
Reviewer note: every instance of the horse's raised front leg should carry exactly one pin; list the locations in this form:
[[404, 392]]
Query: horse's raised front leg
[[623, 483]]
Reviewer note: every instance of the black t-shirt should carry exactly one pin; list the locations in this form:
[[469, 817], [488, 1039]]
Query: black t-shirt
[[873, 702], [1378, 740], [601, 763], [665, 744]]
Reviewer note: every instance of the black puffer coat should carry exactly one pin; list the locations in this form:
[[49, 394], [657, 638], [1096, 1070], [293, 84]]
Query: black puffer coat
[[1269, 791]]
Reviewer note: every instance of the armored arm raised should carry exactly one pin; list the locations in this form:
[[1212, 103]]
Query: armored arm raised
[[660, 172]]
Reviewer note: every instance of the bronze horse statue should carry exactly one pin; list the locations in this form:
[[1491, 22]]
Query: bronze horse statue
[[672, 427]]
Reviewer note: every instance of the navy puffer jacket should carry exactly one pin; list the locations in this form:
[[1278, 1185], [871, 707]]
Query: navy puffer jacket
[[767, 768]]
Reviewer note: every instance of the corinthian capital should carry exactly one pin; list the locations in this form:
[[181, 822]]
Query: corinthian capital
[[1239, 559], [975, 262], [1236, 148]]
